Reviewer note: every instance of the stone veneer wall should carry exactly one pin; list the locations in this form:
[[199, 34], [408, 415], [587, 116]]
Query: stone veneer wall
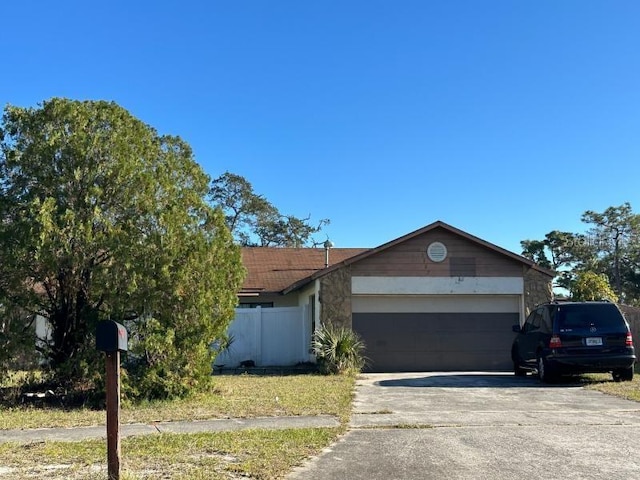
[[537, 289], [335, 298]]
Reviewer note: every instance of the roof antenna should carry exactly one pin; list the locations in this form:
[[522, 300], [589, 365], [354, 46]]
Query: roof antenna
[[327, 245]]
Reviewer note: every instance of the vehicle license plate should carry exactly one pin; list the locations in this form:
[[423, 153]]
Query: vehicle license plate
[[593, 341]]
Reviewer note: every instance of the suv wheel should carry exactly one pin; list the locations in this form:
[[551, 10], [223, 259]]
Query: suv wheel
[[544, 372], [623, 374]]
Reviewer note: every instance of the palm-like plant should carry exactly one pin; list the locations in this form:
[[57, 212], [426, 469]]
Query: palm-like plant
[[338, 350]]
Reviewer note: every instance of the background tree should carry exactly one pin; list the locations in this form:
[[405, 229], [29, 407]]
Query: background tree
[[592, 286], [254, 221], [102, 218], [559, 251], [609, 247], [615, 232], [241, 205]]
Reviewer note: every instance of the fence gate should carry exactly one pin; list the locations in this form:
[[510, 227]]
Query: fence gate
[[268, 337]]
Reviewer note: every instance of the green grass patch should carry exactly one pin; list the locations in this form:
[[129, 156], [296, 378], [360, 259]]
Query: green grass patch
[[603, 383], [232, 396], [259, 454]]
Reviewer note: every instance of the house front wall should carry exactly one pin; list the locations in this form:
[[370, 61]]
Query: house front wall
[[416, 313], [464, 257]]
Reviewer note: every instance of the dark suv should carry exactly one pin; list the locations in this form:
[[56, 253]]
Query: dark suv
[[574, 337]]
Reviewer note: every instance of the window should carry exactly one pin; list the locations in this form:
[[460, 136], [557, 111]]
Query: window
[[534, 321], [538, 319], [547, 320], [583, 317], [529, 322]]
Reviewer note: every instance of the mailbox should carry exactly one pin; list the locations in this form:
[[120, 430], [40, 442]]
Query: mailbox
[[111, 337]]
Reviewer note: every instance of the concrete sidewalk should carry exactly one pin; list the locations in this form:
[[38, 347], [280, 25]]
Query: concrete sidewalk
[[77, 434]]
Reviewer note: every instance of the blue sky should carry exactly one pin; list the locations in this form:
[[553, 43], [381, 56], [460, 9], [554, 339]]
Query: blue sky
[[506, 119]]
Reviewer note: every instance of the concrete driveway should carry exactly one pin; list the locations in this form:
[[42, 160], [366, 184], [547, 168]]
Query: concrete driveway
[[481, 426]]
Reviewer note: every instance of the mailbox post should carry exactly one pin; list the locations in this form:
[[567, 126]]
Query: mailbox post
[[111, 338]]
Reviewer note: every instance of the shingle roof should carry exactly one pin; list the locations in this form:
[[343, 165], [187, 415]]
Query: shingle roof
[[283, 270], [271, 269]]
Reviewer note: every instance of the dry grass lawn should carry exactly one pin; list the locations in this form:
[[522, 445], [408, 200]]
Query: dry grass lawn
[[259, 454]]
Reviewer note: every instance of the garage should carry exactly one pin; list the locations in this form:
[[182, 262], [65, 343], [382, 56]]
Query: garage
[[436, 332], [436, 299]]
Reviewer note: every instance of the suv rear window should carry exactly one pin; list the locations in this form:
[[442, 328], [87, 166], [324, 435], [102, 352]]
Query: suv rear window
[[580, 318]]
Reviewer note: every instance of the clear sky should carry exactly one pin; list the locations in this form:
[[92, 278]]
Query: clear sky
[[506, 119]]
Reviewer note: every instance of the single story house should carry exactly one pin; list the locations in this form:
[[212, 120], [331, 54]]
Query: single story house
[[437, 298]]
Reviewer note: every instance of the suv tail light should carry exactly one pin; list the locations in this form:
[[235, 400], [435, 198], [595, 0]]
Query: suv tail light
[[629, 340], [555, 342]]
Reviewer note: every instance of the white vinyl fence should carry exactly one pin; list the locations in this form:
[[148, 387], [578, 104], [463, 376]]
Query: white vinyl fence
[[268, 337]]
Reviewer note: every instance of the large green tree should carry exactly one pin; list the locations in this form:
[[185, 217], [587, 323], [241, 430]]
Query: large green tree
[[563, 252], [609, 249], [255, 221], [616, 234], [103, 218]]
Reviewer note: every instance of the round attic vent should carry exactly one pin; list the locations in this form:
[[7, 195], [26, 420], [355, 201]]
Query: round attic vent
[[437, 252]]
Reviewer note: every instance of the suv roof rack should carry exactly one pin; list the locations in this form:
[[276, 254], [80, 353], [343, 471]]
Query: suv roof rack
[[568, 300], [560, 301]]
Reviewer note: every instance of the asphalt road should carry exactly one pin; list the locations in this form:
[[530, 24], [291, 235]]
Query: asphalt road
[[481, 426]]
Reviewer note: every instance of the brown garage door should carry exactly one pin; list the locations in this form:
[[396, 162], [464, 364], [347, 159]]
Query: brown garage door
[[436, 341]]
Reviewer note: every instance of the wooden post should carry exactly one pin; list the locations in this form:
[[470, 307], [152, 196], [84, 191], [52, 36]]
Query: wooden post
[[113, 414]]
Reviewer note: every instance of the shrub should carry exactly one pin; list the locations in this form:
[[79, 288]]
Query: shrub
[[591, 286], [339, 350]]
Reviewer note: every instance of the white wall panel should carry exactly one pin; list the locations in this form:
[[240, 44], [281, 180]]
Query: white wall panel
[[435, 304], [437, 285]]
